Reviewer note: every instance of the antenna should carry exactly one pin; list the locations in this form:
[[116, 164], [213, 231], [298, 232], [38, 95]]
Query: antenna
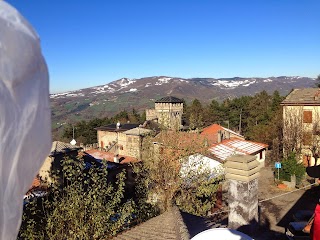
[[73, 141]]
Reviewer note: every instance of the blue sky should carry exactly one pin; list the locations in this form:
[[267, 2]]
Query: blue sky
[[90, 43]]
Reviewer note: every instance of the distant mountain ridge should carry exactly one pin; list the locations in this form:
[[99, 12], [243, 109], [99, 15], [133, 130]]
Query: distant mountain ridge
[[125, 93]]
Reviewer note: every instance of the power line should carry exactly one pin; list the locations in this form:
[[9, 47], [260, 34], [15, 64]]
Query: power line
[[280, 195]]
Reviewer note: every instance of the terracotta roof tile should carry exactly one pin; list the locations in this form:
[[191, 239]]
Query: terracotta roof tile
[[36, 185], [101, 155], [211, 133]]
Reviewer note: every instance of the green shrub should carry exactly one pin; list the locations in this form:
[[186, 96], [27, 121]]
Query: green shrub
[[291, 166], [86, 206]]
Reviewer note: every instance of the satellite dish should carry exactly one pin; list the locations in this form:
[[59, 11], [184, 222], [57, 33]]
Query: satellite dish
[[73, 142]]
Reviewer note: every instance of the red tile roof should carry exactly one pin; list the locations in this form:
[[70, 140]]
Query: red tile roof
[[211, 133], [36, 182], [36, 185], [97, 154]]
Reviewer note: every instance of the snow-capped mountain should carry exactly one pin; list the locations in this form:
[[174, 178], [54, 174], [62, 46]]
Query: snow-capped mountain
[[125, 93]]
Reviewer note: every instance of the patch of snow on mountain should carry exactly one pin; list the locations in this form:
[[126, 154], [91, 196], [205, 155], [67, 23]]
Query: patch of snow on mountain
[[227, 84], [147, 85], [181, 80], [72, 95], [66, 94], [103, 89], [248, 83], [233, 84], [267, 80], [133, 90], [162, 81], [57, 95], [124, 82]]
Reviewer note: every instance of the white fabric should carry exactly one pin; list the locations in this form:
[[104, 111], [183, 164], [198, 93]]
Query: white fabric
[[25, 137]]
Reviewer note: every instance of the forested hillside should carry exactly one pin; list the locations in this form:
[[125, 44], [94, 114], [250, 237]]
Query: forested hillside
[[258, 118]]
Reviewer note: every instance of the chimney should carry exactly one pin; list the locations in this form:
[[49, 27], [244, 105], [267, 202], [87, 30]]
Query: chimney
[[317, 95], [116, 158], [219, 136]]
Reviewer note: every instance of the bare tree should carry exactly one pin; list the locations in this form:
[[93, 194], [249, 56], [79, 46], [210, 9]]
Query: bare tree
[[292, 130], [312, 136], [301, 133], [163, 158]]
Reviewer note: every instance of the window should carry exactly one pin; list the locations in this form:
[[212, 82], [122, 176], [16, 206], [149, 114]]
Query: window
[[307, 116]]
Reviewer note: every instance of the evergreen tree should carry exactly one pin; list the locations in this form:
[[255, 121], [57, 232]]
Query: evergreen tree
[[318, 81], [196, 114]]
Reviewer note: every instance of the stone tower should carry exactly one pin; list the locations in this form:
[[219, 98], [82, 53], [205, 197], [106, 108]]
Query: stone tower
[[167, 112]]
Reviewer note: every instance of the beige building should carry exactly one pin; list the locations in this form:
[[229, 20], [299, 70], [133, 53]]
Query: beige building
[[301, 123], [167, 112], [122, 139]]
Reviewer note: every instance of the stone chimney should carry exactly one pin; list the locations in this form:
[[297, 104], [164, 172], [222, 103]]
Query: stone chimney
[[219, 136], [317, 96], [242, 172]]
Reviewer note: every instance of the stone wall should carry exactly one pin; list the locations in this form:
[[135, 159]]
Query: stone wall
[[151, 114], [127, 145], [133, 144], [169, 107], [167, 114]]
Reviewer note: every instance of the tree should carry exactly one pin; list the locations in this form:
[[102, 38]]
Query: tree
[[163, 157], [318, 81], [311, 136], [85, 206], [292, 130], [291, 166], [196, 114]]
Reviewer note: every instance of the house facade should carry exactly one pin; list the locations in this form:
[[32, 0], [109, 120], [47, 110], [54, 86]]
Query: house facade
[[301, 117], [122, 139], [167, 112]]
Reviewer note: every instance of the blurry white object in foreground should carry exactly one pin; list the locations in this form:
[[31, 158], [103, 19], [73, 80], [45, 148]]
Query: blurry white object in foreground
[[221, 234], [25, 137]]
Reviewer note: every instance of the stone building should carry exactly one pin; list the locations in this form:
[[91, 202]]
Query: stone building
[[167, 112], [52, 163], [301, 128], [122, 139]]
